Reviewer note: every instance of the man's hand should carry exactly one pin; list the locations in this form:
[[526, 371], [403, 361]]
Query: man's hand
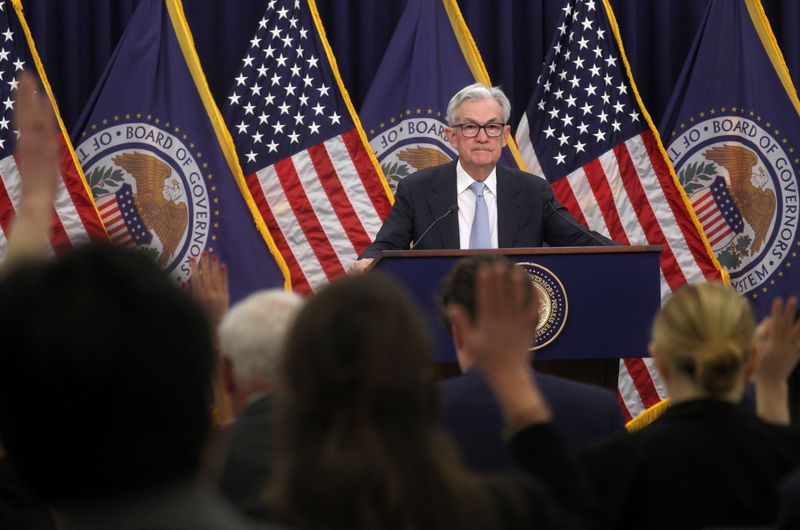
[[210, 287], [777, 354], [499, 339], [37, 160], [360, 266]]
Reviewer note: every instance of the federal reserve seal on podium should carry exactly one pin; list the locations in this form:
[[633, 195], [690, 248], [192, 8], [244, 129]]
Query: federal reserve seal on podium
[[553, 304]]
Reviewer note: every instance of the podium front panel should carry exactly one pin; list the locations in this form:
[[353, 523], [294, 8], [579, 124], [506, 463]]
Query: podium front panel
[[611, 297]]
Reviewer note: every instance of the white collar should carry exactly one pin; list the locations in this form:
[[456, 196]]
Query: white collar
[[463, 180]]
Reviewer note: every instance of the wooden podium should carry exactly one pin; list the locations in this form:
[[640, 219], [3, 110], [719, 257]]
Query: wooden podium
[[610, 295]]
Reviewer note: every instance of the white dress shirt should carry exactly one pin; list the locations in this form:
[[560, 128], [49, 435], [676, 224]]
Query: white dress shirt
[[466, 205]]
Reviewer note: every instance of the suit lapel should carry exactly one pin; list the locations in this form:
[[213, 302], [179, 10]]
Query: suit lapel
[[443, 196], [509, 207]]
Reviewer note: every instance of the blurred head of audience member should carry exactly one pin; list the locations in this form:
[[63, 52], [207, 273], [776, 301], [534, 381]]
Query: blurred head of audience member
[[357, 430], [458, 289], [105, 377], [702, 342], [251, 338]]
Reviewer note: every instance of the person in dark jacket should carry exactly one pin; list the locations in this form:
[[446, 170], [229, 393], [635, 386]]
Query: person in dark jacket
[[714, 463], [582, 413]]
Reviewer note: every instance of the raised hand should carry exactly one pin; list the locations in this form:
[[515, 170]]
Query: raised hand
[[499, 339], [209, 287], [777, 354], [37, 160]]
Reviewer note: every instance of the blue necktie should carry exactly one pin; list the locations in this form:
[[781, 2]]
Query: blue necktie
[[479, 236]]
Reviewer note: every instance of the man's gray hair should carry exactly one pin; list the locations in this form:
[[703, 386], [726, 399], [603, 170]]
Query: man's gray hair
[[477, 92], [253, 331]]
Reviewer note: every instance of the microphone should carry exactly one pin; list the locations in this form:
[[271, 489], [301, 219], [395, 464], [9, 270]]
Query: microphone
[[451, 210], [579, 226]]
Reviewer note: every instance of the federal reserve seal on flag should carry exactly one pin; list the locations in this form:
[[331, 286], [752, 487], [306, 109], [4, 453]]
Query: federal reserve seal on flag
[[411, 142], [741, 183], [150, 190], [553, 306]]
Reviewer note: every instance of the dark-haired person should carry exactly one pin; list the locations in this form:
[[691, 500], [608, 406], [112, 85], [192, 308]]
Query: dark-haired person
[[105, 392], [715, 463], [495, 206], [105, 372], [358, 443], [582, 413]]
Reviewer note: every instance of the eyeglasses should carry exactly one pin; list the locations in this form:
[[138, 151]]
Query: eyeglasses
[[471, 130]]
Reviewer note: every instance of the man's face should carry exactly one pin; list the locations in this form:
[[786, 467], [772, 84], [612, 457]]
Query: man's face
[[479, 154]]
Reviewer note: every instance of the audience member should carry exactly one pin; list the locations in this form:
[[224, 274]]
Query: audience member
[[713, 461], [105, 377], [358, 442], [789, 514], [19, 508], [251, 339], [582, 413]]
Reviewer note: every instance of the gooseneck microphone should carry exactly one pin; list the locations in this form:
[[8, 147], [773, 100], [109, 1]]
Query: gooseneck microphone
[[579, 226], [451, 210]]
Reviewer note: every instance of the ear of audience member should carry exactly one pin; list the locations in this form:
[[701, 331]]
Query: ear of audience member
[[358, 445], [105, 392], [582, 413], [251, 338]]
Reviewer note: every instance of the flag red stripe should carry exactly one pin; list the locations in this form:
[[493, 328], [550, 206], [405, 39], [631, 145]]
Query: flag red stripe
[[113, 218], [718, 224], [647, 218], [366, 172], [690, 232], [307, 219], [602, 194], [6, 209], [563, 192], [708, 215], [78, 194], [643, 382], [720, 237], [299, 282], [58, 236], [338, 197]]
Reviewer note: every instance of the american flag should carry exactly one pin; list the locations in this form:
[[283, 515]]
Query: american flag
[[75, 219], [305, 158], [122, 220], [587, 132], [718, 213]]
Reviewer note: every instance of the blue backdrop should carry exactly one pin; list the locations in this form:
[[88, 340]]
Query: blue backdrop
[[76, 39]]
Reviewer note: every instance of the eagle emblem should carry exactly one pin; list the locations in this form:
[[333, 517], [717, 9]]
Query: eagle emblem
[[756, 204], [423, 157], [157, 200]]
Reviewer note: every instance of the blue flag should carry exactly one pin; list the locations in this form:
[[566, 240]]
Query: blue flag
[[732, 133], [160, 162], [431, 57]]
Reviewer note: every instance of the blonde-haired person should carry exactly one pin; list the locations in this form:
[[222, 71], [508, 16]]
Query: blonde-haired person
[[714, 462]]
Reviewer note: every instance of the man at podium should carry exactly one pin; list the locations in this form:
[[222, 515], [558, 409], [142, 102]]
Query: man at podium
[[473, 202]]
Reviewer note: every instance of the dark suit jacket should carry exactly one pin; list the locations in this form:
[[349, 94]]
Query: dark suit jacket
[[525, 216], [582, 414], [704, 463], [789, 517], [248, 464], [186, 507], [19, 508]]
